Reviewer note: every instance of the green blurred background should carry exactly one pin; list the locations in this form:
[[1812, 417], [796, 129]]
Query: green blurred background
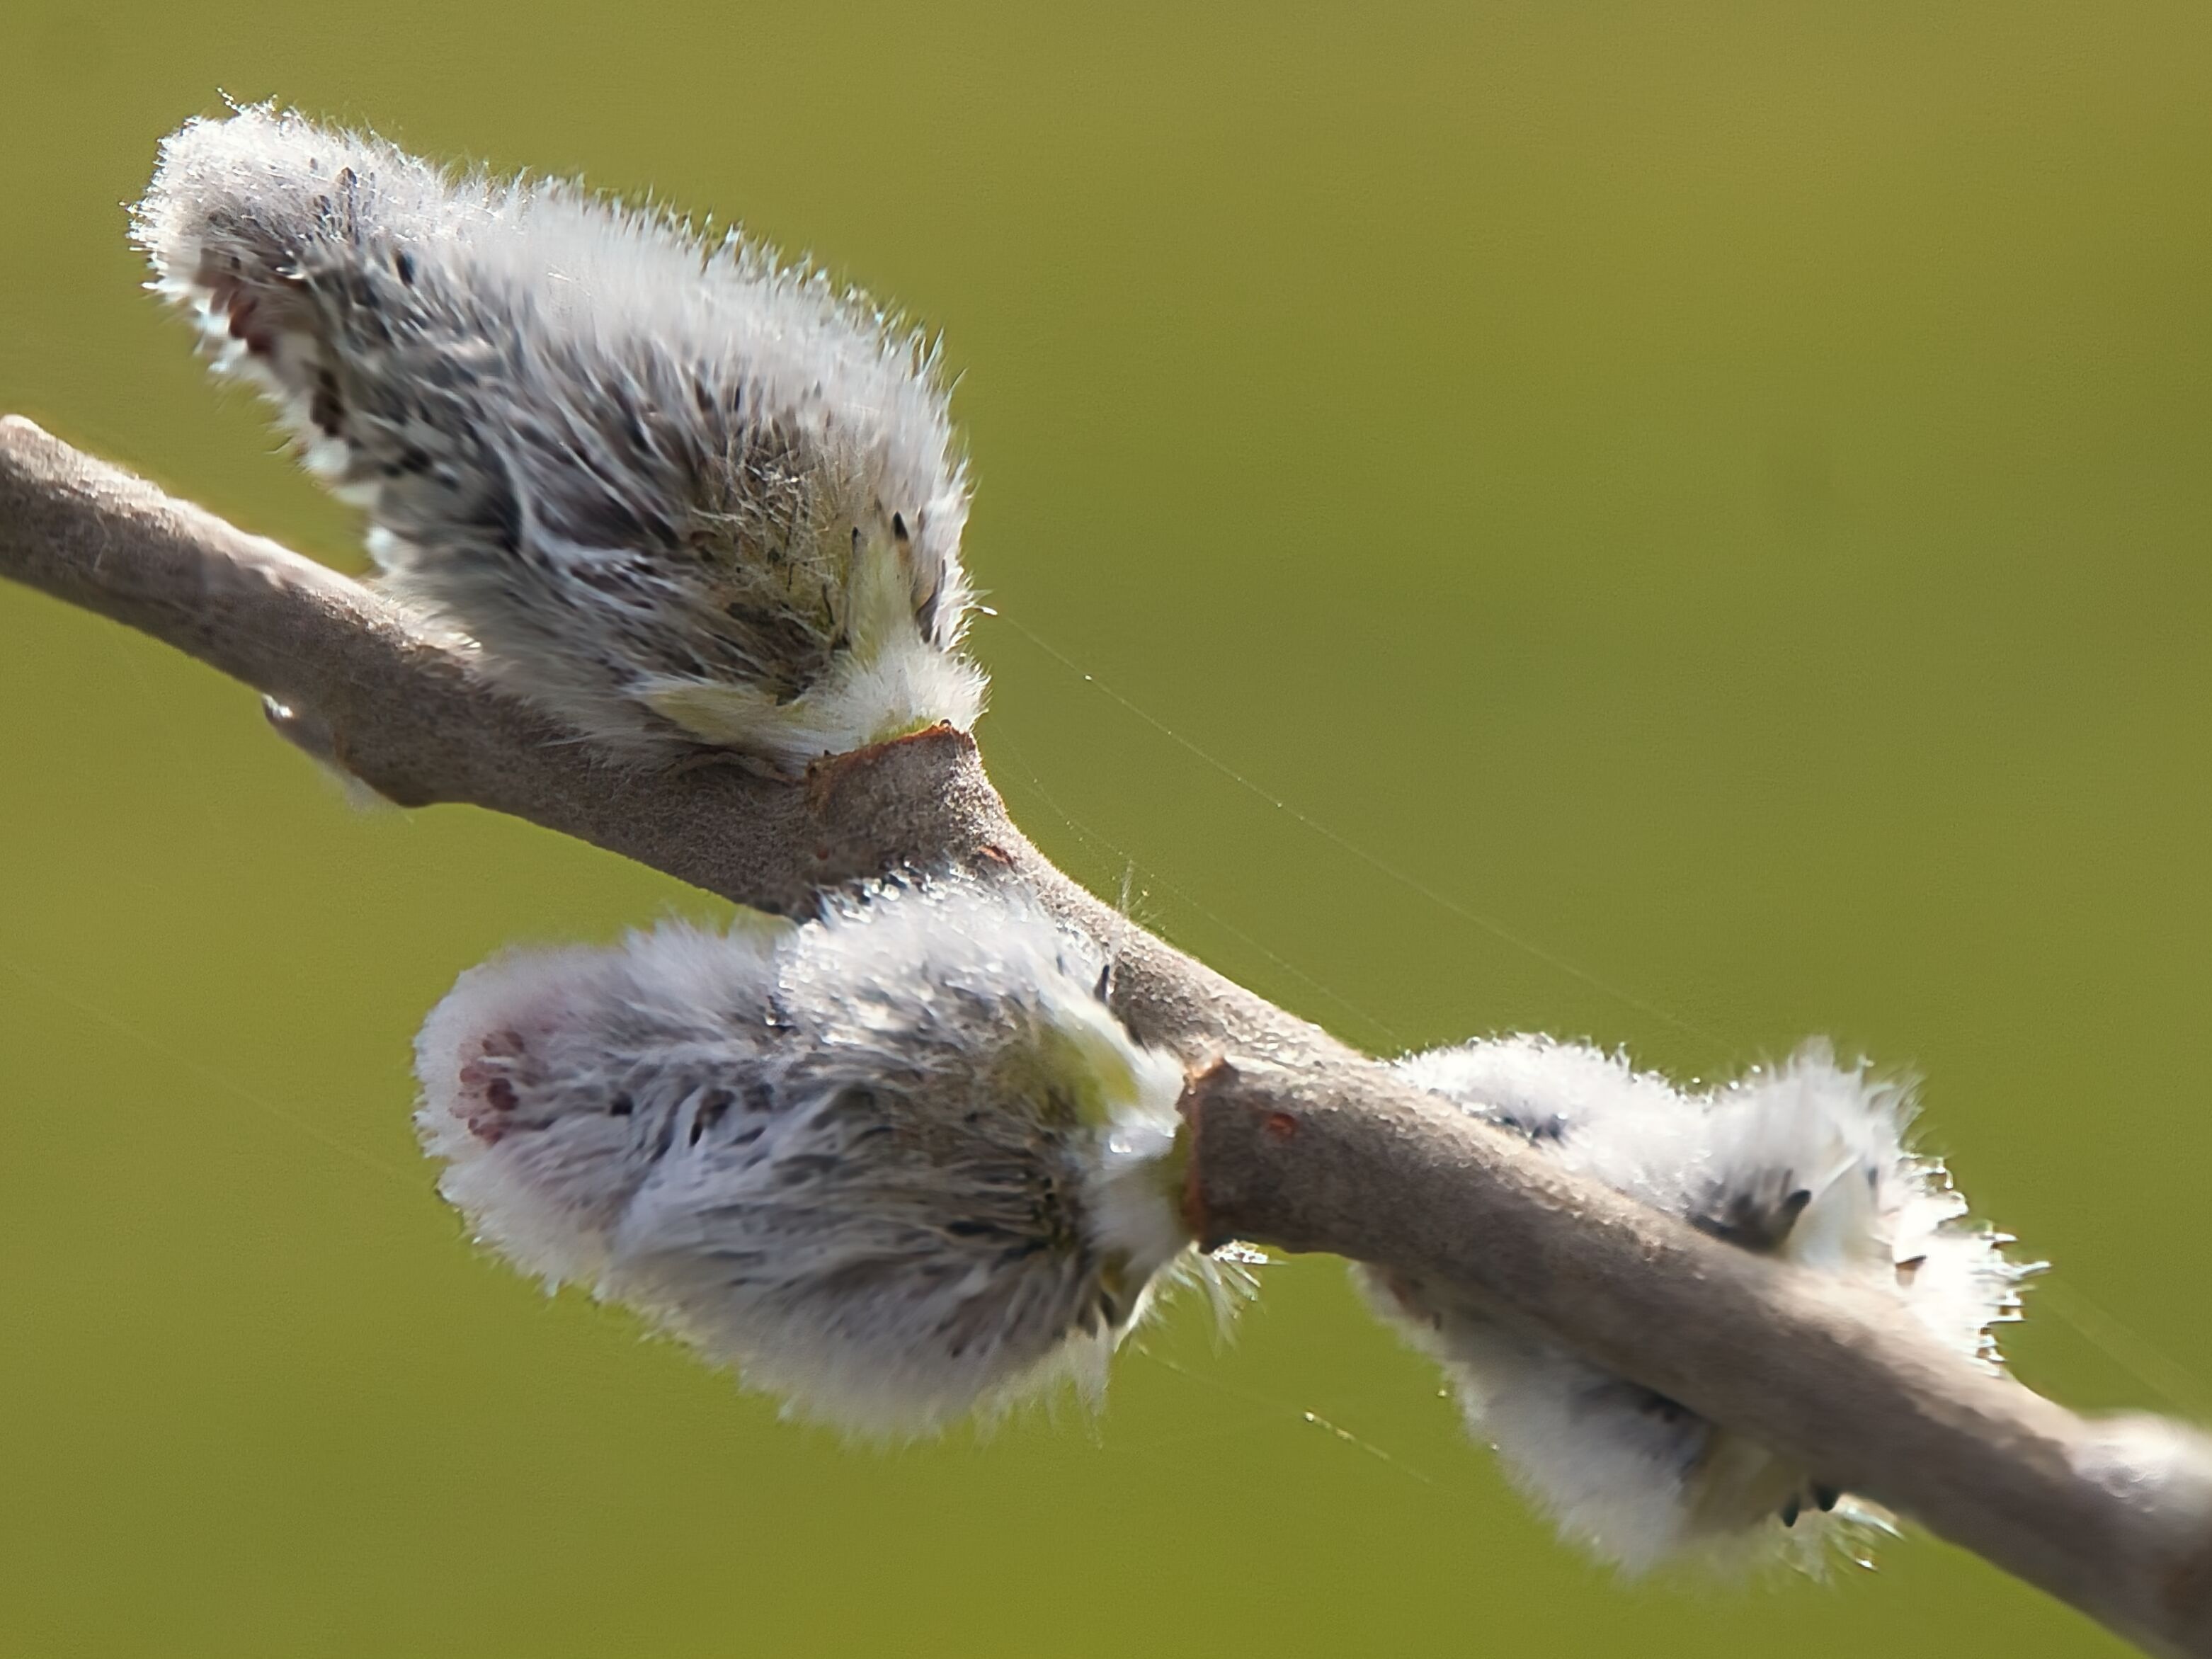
[[1716, 493]]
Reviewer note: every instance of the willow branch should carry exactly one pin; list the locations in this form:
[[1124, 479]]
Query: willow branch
[[1300, 1143]]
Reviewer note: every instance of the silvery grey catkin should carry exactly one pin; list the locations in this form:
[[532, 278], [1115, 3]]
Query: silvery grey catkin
[[1807, 1163], [681, 494], [897, 1164]]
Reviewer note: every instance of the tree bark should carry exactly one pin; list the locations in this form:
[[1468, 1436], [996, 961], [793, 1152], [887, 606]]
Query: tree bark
[[1299, 1142]]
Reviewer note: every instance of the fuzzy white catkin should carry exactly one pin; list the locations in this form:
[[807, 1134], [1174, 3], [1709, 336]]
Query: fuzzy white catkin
[[897, 1164], [1807, 1162], [681, 494]]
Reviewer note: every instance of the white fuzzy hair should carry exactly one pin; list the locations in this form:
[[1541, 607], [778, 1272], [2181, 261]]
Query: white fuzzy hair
[[1807, 1163], [895, 1164], [679, 493]]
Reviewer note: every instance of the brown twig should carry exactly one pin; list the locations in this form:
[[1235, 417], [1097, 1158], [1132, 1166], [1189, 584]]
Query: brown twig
[[1300, 1142]]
